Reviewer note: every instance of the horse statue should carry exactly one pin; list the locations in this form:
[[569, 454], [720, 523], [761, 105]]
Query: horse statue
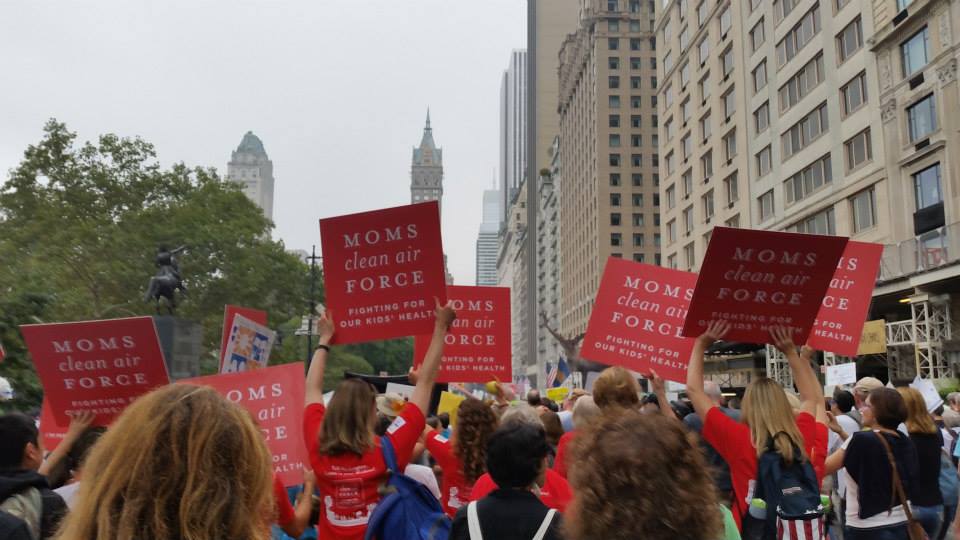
[[168, 279]]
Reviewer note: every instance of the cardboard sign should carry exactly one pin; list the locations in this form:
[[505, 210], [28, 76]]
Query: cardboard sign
[[449, 403], [404, 390], [478, 346], [229, 312], [382, 271], [99, 366], [274, 396], [637, 317], [51, 433], [929, 392], [843, 311], [757, 279], [557, 395], [841, 374], [248, 347], [873, 340]]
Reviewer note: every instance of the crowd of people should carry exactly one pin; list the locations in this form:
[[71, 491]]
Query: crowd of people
[[184, 463]]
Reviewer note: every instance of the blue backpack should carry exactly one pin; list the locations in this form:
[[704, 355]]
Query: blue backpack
[[408, 511]]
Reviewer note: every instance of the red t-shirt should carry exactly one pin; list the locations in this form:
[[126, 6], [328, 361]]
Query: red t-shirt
[[285, 513], [555, 492], [731, 439], [818, 455], [559, 463], [454, 490], [347, 482]]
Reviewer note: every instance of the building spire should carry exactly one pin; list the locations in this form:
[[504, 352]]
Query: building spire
[[428, 120]]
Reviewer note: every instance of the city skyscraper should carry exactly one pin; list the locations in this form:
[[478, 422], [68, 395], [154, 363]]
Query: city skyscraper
[[609, 199], [488, 240], [251, 168], [426, 171], [513, 129]]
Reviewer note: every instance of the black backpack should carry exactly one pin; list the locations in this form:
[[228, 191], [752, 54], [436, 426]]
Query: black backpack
[[792, 496]]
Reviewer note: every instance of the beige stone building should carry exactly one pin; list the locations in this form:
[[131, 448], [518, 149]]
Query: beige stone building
[[820, 117], [609, 148]]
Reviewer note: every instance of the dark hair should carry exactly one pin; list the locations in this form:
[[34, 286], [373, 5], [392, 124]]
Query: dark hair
[[515, 454], [434, 422], [383, 422], [550, 404], [888, 407], [552, 427], [444, 419], [844, 400], [938, 411], [533, 398], [16, 431]]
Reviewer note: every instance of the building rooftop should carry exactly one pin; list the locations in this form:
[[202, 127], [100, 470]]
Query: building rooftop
[[251, 144]]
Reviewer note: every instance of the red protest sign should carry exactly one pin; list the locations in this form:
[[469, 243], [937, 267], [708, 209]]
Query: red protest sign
[[229, 312], [99, 366], [382, 270], [51, 432], [274, 396], [843, 311], [637, 318], [478, 347], [755, 279]]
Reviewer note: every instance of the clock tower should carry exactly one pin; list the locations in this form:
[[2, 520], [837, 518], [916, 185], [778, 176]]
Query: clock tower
[[426, 172]]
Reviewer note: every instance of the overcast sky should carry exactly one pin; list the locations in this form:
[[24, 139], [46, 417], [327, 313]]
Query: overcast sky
[[336, 89]]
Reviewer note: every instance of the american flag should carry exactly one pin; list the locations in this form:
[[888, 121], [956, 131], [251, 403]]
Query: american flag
[[551, 374]]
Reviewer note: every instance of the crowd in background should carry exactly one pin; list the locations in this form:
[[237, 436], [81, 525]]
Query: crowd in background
[[184, 463]]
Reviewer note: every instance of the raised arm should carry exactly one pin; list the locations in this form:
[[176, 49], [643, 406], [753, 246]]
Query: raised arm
[[78, 424], [660, 389], [303, 508], [314, 385], [427, 374], [806, 356], [806, 380], [701, 402]]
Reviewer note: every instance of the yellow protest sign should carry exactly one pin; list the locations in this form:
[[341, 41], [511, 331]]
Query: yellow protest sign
[[449, 403], [557, 395], [874, 338]]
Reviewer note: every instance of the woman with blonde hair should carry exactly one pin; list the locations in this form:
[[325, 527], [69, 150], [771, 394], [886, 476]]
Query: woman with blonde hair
[[181, 462], [926, 501], [768, 420], [346, 456], [463, 456], [641, 476], [616, 390]]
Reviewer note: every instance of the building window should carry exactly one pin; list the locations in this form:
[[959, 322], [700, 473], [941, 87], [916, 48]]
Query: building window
[[688, 220], [702, 13], [763, 161], [705, 127], [613, 25], [761, 117], [733, 222], [731, 188], [690, 255], [684, 38], [668, 96], [707, 201], [671, 231], [808, 129], [638, 220], [636, 179], [685, 111], [670, 164], [730, 144], [686, 146], [668, 129], [901, 4], [636, 63], [915, 52], [765, 203], [635, 102], [706, 164], [704, 49], [638, 240], [854, 94], [615, 220], [858, 150], [705, 87], [613, 62], [671, 193], [614, 121], [760, 76], [819, 223], [726, 20], [850, 40], [805, 80], [614, 160], [726, 61], [922, 118], [685, 75], [612, 5], [667, 61], [926, 183], [636, 121], [757, 36], [672, 262], [613, 102], [636, 160], [782, 8], [614, 199], [614, 179], [613, 43], [614, 140], [798, 36], [729, 103], [635, 82], [634, 44], [810, 179], [687, 180], [613, 82], [864, 210], [842, 3], [636, 141], [616, 239]]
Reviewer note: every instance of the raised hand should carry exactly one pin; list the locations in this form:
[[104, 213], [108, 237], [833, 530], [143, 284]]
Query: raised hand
[[714, 332], [326, 327], [445, 314], [782, 339], [659, 386]]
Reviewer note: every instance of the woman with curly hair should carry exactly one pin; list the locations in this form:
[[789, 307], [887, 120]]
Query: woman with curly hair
[[463, 456], [180, 462], [641, 476]]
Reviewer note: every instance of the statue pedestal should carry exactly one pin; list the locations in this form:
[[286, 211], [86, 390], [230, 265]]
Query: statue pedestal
[[182, 344]]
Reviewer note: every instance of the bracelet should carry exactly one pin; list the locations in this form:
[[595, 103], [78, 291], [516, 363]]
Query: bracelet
[[324, 347]]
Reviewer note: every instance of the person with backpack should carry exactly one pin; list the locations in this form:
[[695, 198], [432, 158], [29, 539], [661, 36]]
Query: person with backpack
[[463, 457], [24, 493], [350, 463], [925, 497], [770, 440], [516, 460], [881, 465]]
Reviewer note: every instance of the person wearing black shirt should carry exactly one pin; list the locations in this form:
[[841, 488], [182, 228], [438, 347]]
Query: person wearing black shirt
[[925, 497]]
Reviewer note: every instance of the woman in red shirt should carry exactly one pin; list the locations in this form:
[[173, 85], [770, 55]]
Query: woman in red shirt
[[345, 454], [463, 457], [767, 415]]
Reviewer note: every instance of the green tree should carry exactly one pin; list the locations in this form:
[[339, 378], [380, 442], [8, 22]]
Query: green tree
[[79, 224]]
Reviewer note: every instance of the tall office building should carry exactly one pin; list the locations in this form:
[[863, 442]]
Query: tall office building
[[488, 240], [609, 149], [548, 258], [426, 170], [513, 129], [824, 118], [251, 168]]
